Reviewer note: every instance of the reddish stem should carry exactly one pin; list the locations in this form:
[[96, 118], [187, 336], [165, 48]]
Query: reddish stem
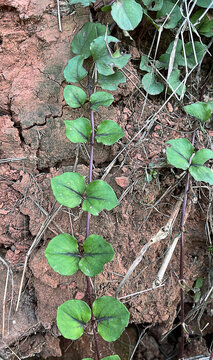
[[89, 290]]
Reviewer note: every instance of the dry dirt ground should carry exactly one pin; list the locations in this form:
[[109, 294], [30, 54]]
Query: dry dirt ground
[[33, 54]]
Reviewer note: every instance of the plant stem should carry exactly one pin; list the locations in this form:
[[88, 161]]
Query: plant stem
[[181, 278], [89, 290]]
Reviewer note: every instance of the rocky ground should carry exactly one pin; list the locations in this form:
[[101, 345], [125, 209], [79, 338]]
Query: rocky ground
[[33, 54]]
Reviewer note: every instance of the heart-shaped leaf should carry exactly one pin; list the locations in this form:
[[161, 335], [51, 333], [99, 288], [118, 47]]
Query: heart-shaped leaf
[[101, 98], [72, 317], [200, 110], [78, 130], [62, 254], [127, 14], [105, 61], [202, 156], [151, 85], [68, 188], [112, 317], [74, 71], [99, 196], [201, 173], [97, 252], [108, 132], [174, 14], [174, 82], [74, 96], [144, 64], [82, 40], [179, 153], [190, 55], [111, 82]]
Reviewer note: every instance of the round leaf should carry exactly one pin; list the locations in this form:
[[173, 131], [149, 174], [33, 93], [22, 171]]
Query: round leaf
[[174, 82], [202, 156], [82, 40], [111, 82], [78, 130], [62, 254], [200, 110], [151, 85], [179, 153], [204, 3], [108, 132], [127, 14], [199, 49], [74, 96], [101, 98], [99, 196], [68, 188], [174, 16], [74, 71], [112, 317], [144, 64], [72, 317], [201, 173], [97, 252]]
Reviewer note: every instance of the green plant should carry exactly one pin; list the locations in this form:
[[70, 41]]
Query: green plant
[[107, 315], [180, 153]]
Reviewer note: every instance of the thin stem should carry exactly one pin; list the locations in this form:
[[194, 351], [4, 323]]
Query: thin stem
[[89, 290], [182, 223]]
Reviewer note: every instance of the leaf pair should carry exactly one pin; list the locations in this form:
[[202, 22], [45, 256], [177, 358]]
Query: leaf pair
[[64, 258], [110, 314], [69, 189], [180, 153], [79, 131]]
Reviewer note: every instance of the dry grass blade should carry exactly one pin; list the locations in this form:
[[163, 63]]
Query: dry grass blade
[[9, 273], [161, 234], [2, 161]]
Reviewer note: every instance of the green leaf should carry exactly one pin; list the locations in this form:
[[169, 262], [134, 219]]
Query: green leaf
[[199, 283], [72, 317], [179, 153], [101, 98], [174, 17], [210, 103], [111, 82], [78, 130], [62, 254], [74, 96], [174, 82], [68, 188], [127, 14], [144, 64], [82, 2], [99, 196], [112, 317], [199, 50], [151, 85], [179, 59], [197, 296], [108, 132], [204, 3], [105, 62], [202, 156], [200, 110], [97, 252], [82, 40], [206, 28], [153, 5], [74, 71], [201, 173]]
